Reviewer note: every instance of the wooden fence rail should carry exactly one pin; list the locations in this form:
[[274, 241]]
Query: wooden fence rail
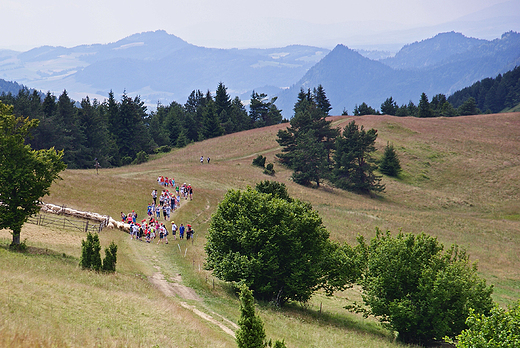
[[65, 222]]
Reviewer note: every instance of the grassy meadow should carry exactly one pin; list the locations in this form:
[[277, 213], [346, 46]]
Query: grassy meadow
[[460, 183]]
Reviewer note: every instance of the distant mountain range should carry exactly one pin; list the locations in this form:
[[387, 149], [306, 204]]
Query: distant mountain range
[[442, 64], [162, 67]]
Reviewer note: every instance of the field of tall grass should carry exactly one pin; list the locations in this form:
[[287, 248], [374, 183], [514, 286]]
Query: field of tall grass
[[460, 183]]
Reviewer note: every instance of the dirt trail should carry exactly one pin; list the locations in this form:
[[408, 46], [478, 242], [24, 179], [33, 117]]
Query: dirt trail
[[187, 293]]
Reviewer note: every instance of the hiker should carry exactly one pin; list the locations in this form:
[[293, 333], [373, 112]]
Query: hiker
[[201, 159], [189, 233], [154, 196], [208, 160], [181, 231], [174, 230]]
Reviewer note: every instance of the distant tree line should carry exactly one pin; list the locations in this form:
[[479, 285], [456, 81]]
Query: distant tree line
[[120, 132], [486, 96], [492, 95]]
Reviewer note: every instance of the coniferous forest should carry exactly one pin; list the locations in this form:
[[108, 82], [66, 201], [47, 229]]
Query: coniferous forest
[[120, 132]]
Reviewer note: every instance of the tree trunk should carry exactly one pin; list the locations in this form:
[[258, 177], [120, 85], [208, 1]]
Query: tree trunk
[[16, 236]]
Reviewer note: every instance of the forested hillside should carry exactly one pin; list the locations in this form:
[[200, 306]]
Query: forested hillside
[[116, 133], [492, 94]]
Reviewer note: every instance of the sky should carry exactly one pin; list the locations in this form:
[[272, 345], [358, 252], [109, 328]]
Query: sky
[[27, 24]]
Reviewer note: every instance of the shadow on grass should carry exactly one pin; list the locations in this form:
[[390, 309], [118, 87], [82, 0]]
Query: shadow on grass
[[41, 252], [334, 319]]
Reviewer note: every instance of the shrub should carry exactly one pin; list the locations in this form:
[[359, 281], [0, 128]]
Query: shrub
[[164, 148], [141, 157], [251, 333], [269, 170], [501, 329], [109, 262], [259, 161], [419, 291]]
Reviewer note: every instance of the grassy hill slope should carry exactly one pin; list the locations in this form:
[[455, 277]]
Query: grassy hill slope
[[460, 183]]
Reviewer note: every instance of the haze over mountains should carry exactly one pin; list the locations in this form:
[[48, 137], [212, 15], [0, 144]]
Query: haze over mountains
[[162, 67]]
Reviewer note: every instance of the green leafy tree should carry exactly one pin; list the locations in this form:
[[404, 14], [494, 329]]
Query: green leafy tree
[[275, 188], [389, 107], [499, 329], [279, 249], [390, 164], [418, 290], [25, 174], [354, 165]]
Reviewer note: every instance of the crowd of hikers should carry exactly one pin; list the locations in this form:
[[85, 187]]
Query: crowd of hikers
[[159, 211]]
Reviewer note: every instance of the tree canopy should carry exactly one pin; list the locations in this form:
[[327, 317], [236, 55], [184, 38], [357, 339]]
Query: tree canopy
[[25, 174], [418, 290], [278, 248]]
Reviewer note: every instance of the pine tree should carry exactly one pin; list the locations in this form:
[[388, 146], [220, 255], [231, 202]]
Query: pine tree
[[353, 163], [389, 107], [321, 100], [390, 162], [308, 142]]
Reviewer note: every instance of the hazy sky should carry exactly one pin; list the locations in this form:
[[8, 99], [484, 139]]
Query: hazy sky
[[226, 23]]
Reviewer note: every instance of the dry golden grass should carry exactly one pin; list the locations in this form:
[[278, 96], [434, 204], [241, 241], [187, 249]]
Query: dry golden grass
[[460, 183]]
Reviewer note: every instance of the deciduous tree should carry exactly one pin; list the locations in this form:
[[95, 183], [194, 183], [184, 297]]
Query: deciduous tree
[[278, 248], [25, 174], [418, 290]]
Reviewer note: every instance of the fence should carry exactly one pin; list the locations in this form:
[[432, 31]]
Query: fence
[[65, 222]]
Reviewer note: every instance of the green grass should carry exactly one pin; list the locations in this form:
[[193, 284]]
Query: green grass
[[460, 183]]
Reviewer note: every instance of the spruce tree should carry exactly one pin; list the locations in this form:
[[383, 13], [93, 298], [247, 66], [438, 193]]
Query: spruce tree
[[390, 164], [251, 333], [424, 108]]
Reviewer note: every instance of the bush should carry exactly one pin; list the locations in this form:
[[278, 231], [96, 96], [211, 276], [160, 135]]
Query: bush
[[501, 329], [91, 257], [164, 148], [269, 170], [259, 161], [141, 157], [251, 333], [419, 291]]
